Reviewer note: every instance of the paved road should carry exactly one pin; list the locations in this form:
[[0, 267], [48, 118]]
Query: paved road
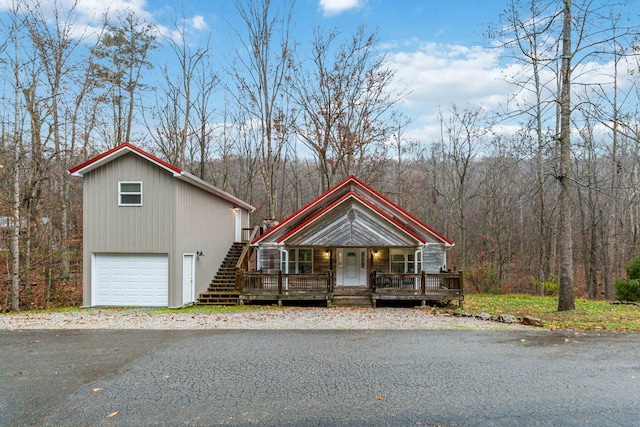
[[312, 378]]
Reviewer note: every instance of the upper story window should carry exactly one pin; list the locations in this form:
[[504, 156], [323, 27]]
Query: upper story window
[[129, 194]]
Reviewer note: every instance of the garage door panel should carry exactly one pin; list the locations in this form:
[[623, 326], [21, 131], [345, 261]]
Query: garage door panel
[[131, 280]]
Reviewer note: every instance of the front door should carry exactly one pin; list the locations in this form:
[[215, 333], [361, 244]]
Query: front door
[[352, 267]]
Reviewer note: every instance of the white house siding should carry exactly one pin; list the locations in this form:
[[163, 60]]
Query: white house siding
[[109, 228]]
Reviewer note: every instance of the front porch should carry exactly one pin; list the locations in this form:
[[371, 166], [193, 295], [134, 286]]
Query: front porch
[[321, 287]]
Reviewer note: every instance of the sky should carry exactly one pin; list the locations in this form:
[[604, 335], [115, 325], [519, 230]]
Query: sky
[[437, 47]]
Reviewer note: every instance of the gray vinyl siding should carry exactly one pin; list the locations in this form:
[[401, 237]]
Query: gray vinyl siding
[[433, 258], [109, 228], [204, 223], [175, 218]]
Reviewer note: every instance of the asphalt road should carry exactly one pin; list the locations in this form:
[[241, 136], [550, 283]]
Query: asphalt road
[[318, 378]]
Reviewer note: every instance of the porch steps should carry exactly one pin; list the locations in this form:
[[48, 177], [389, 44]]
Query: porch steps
[[351, 301], [222, 288], [351, 297]]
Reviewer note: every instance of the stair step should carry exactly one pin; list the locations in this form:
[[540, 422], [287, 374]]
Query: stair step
[[351, 301], [221, 289]]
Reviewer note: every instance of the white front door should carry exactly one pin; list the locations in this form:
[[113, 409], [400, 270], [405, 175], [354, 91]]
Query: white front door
[[352, 267], [188, 279]]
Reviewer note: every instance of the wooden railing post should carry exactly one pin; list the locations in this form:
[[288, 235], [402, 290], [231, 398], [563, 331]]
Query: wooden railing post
[[238, 279], [423, 284], [279, 282]]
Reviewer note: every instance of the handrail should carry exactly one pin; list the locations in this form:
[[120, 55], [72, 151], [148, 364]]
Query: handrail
[[247, 247], [245, 255]]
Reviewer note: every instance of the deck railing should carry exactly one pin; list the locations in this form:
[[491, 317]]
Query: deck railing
[[425, 282], [279, 283]]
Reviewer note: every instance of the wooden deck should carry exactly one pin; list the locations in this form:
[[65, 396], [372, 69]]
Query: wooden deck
[[321, 287]]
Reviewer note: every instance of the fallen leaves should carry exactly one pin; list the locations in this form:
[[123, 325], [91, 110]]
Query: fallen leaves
[[113, 414]]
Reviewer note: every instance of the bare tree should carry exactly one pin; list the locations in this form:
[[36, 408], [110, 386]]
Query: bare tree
[[345, 101], [186, 92], [463, 132], [261, 74]]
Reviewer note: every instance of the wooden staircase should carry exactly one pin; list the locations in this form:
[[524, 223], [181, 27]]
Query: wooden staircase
[[222, 290]]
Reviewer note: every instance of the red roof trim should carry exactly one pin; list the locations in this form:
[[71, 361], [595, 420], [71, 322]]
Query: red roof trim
[[304, 208], [124, 145], [327, 193], [413, 218], [349, 195]]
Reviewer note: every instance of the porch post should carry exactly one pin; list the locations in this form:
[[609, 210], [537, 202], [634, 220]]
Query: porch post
[[423, 284], [279, 282]]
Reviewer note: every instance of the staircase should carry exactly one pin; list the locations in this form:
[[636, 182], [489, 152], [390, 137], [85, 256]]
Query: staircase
[[221, 290]]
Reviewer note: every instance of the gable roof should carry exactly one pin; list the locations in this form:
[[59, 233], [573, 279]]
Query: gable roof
[[350, 206], [126, 148]]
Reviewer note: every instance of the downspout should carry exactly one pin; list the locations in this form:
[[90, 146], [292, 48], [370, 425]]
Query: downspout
[[286, 264], [447, 248], [420, 251]]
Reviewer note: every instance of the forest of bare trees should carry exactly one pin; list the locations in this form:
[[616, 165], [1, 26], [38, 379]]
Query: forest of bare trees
[[541, 196]]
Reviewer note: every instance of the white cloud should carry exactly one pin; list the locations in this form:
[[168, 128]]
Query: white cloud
[[334, 7], [198, 22], [441, 75]]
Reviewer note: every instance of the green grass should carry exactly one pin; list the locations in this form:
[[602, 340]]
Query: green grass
[[588, 316]]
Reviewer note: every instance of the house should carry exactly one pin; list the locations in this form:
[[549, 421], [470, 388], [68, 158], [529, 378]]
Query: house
[[353, 243], [153, 235]]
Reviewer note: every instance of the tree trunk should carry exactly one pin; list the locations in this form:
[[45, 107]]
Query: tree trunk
[[566, 296]]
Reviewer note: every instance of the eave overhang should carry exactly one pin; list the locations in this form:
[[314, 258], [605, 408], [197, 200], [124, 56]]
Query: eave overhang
[[126, 148]]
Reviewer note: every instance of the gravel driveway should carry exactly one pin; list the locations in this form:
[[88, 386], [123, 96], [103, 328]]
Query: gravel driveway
[[263, 318]]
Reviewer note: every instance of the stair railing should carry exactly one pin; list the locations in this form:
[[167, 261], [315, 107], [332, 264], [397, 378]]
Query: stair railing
[[245, 256]]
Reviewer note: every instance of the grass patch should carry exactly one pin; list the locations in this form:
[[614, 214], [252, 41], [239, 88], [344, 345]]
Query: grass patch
[[588, 316]]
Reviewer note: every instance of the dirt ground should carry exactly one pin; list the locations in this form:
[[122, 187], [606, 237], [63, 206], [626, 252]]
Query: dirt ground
[[40, 296]]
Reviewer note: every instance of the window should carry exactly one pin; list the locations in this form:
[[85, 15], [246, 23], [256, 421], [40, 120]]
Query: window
[[403, 261], [300, 261], [397, 261], [129, 194]]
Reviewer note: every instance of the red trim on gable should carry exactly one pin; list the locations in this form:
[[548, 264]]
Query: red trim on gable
[[124, 145], [350, 194], [413, 218], [304, 208], [350, 178]]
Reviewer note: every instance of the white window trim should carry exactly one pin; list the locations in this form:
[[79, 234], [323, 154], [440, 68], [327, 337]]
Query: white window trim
[[120, 193], [297, 259], [406, 262]]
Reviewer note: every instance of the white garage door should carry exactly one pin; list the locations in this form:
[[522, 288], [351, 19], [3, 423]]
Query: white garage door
[[131, 280]]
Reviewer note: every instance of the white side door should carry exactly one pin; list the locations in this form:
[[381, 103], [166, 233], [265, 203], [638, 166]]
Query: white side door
[[188, 279]]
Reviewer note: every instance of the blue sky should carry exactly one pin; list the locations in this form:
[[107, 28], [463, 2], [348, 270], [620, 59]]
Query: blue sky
[[437, 47]]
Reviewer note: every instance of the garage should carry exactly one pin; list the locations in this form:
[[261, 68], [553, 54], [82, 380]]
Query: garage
[[130, 280]]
